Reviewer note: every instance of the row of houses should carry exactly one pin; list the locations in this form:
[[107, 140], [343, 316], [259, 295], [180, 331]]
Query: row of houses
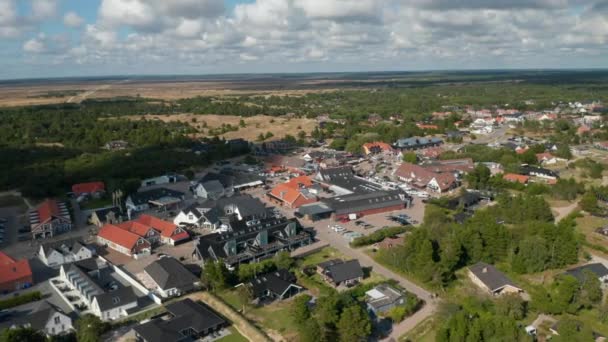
[[438, 176]]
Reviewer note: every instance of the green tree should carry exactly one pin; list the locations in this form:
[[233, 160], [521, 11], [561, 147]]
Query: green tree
[[283, 260], [589, 203], [310, 331], [242, 123], [327, 310], [21, 335], [591, 290], [300, 310], [570, 330], [511, 305], [354, 324], [410, 157], [215, 275], [89, 328]]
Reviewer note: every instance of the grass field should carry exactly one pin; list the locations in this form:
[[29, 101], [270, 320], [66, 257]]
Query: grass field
[[587, 225], [235, 336]]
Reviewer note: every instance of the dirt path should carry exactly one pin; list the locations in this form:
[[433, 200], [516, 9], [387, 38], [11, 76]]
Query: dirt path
[[239, 322], [564, 211]]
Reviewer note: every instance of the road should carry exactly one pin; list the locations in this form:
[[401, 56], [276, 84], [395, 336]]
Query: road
[[430, 307], [81, 97]]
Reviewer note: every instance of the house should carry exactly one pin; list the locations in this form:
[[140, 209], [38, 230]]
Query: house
[[457, 167], [169, 278], [99, 288], [160, 180], [337, 272], [45, 318], [94, 189], [583, 129], [212, 190], [244, 241], [602, 145], [547, 158], [14, 274], [100, 217], [191, 216], [377, 147], [515, 178], [466, 201], [416, 143], [367, 203], [596, 268], [231, 181], [280, 284], [540, 172], [427, 126], [382, 298], [185, 320], [65, 251], [123, 241], [116, 145], [170, 233], [294, 193], [495, 168], [425, 178], [50, 218], [159, 197], [491, 279]]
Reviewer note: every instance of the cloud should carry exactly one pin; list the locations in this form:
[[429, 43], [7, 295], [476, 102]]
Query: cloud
[[43, 9], [34, 45], [73, 20]]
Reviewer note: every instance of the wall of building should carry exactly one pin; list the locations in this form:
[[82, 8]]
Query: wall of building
[[370, 212]]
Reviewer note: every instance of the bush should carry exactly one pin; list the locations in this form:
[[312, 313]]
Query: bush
[[377, 236], [20, 300]]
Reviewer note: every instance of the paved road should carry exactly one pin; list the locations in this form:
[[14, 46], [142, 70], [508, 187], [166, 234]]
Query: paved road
[[338, 242]]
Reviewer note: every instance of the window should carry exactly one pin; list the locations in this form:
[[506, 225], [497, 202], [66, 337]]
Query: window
[[190, 217], [57, 320]]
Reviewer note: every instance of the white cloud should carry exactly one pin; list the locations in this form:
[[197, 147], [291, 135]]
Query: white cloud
[[73, 20], [42, 9], [34, 45]]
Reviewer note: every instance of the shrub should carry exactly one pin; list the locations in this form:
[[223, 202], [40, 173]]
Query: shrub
[[20, 299], [377, 236]]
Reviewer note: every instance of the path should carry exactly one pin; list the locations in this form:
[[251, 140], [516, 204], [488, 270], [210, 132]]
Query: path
[[430, 306], [565, 211], [81, 97], [238, 321]]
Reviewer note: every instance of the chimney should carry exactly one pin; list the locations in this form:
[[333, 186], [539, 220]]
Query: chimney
[[485, 270]]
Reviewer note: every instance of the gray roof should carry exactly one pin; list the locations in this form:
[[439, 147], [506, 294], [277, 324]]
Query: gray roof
[[247, 205], [103, 213], [169, 273], [186, 314], [347, 270], [314, 209], [354, 203], [417, 142], [389, 296], [597, 268], [144, 197], [64, 246], [39, 317], [116, 298], [276, 282], [212, 186], [490, 276]]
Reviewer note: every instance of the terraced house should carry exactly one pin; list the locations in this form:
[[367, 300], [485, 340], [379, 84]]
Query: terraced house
[[50, 218]]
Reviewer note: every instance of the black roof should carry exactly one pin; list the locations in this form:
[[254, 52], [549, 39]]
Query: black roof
[[332, 174], [230, 179], [168, 273], [467, 199], [154, 194], [358, 202], [116, 298], [103, 213], [343, 271], [186, 314], [276, 282], [597, 268], [64, 246], [528, 170], [490, 276], [38, 319]]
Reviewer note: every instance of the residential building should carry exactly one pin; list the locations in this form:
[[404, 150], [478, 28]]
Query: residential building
[[212, 190], [491, 279], [94, 189], [193, 216], [596, 268], [45, 318], [377, 147], [540, 172], [150, 234], [382, 298], [99, 288], [160, 180], [280, 284], [457, 167], [14, 274], [50, 218], [341, 273], [123, 241], [367, 203], [100, 217], [547, 158], [515, 178], [422, 178], [231, 181], [427, 127], [170, 234], [159, 197], [57, 253], [185, 320], [116, 145], [294, 193], [416, 143], [169, 278]]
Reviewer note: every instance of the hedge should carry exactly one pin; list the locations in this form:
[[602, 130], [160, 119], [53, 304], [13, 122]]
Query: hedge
[[20, 300], [377, 236]]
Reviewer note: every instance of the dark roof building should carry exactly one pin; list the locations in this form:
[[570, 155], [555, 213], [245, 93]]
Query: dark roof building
[[529, 170], [279, 284], [416, 143], [171, 277], [185, 321], [361, 204], [338, 272], [596, 268], [489, 278], [158, 197]]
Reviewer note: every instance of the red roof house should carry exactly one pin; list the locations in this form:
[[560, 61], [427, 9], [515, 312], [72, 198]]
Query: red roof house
[[51, 217], [14, 274], [425, 178], [170, 233], [515, 178], [88, 188], [293, 193], [145, 231], [123, 241], [377, 147]]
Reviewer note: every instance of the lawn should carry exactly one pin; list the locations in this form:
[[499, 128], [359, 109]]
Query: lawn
[[324, 254], [235, 336], [587, 225], [96, 203]]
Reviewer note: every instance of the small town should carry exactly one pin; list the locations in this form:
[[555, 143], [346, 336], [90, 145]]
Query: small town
[[281, 229]]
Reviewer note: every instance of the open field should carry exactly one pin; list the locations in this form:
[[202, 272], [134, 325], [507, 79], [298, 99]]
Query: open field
[[255, 125]]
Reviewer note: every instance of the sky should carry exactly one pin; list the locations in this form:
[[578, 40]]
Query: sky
[[66, 38]]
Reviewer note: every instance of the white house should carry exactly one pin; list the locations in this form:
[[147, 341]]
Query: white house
[[46, 318], [212, 190], [115, 304], [169, 278], [66, 251]]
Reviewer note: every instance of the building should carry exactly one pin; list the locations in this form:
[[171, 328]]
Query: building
[[315, 211], [280, 284], [160, 180], [361, 204], [50, 218], [596, 268], [185, 320], [231, 181], [45, 318], [170, 233], [57, 253], [103, 216], [100, 289], [169, 278], [192, 216], [338, 272], [245, 241], [491, 279], [294, 193], [212, 190], [416, 143], [377, 147], [123, 241], [547, 158], [159, 197], [515, 178], [116, 145], [14, 274], [540, 172], [457, 167], [382, 298], [214, 215], [422, 178], [94, 189]]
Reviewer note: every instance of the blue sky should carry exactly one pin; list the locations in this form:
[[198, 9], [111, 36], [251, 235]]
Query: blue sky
[[62, 38]]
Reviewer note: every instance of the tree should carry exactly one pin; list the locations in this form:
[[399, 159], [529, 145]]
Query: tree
[[354, 324], [283, 260], [242, 123], [589, 203], [591, 289], [570, 330], [21, 335], [245, 296], [511, 305], [215, 275], [89, 328], [300, 310], [479, 177], [410, 157], [326, 309], [310, 331]]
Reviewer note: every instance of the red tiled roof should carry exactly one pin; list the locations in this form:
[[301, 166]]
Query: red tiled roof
[[424, 126], [513, 177], [521, 150], [166, 229], [48, 209], [180, 236], [285, 193], [296, 182], [135, 227], [543, 156], [378, 144], [87, 188], [445, 180], [11, 270], [119, 236]]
